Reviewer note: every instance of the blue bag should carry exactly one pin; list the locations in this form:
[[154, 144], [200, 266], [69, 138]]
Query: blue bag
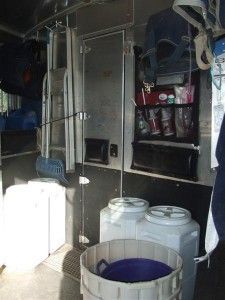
[[168, 46]]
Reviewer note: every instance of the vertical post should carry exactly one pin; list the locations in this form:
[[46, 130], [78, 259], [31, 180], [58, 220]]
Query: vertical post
[[49, 97], [123, 120], [70, 98]]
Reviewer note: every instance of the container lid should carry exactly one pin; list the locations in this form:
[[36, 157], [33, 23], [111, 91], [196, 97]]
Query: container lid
[[168, 215], [128, 204], [43, 180]]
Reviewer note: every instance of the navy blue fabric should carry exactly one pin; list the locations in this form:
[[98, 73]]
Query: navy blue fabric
[[135, 270], [21, 72], [28, 105], [166, 41], [218, 201], [166, 25], [222, 12], [19, 120]]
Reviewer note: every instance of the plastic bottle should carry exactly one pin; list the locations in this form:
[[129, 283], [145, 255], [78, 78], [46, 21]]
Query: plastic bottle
[[141, 125]]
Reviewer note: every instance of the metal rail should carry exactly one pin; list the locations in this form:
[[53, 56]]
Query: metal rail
[[64, 12]]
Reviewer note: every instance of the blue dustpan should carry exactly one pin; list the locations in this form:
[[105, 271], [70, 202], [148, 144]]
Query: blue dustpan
[[51, 167]]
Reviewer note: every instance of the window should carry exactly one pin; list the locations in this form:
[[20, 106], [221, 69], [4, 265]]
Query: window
[[9, 102]]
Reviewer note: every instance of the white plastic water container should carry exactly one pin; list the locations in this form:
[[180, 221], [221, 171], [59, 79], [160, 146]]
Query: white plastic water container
[[25, 234], [173, 227], [34, 223], [94, 287], [54, 196], [118, 220]]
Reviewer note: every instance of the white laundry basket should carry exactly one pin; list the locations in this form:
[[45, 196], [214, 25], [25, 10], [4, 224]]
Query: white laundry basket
[[94, 287], [173, 227], [118, 220]]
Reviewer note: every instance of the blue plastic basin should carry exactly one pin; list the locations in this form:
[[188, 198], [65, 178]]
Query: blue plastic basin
[[133, 270]]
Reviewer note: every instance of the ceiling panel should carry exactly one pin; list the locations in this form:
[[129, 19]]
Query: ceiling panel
[[24, 14]]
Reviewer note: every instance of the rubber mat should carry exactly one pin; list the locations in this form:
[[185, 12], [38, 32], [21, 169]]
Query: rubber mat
[[66, 260]]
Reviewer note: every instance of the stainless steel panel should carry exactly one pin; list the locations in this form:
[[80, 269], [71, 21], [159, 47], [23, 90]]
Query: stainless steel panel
[[103, 90], [205, 173], [104, 16], [144, 8]]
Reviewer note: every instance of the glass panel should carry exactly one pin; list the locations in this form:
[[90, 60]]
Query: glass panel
[[103, 131]]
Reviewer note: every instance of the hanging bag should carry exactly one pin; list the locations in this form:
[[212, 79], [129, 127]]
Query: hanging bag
[[168, 46], [208, 17]]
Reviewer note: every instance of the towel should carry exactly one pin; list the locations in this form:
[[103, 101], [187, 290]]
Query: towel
[[215, 231]]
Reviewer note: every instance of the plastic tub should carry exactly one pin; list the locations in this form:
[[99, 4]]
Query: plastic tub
[[96, 287]]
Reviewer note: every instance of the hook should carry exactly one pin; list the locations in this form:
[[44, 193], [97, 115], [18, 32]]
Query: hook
[[57, 24]]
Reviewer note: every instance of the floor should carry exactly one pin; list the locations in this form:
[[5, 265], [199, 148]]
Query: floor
[[47, 282], [41, 284], [57, 278]]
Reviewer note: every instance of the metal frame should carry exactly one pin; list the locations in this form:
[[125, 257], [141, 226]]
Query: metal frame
[[43, 128], [123, 122], [70, 94], [65, 96], [47, 103], [49, 97]]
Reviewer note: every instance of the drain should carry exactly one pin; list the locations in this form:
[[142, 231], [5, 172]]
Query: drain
[[66, 260]]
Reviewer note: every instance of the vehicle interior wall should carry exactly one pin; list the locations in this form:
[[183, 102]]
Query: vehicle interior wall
[[108, 98], [105, 180]]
